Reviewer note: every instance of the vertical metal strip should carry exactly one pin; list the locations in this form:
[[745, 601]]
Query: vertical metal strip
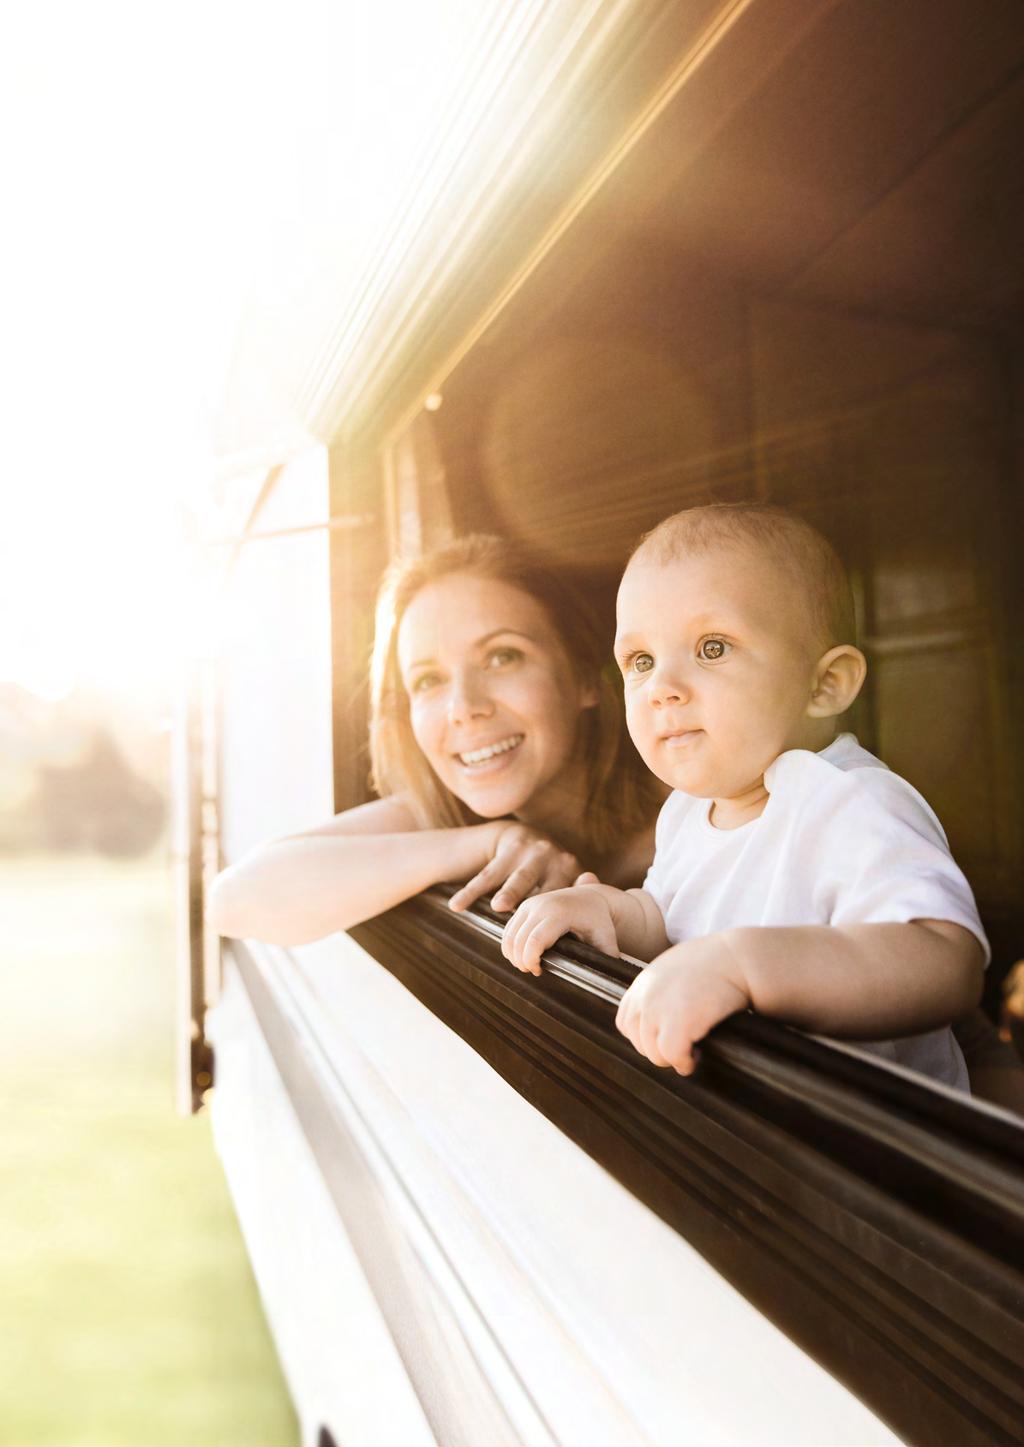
[[193, 1067]]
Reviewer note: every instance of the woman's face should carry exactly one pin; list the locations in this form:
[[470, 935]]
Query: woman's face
[[494, 702]]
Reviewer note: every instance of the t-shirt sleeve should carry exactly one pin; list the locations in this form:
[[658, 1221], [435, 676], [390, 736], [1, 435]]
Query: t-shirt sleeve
[[888, 860]]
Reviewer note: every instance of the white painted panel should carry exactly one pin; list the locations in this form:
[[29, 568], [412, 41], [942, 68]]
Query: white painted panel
[[613, 1325], [341, 1364], [275, 674]]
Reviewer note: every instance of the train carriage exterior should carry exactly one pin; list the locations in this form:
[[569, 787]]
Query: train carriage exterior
[[764, 249]]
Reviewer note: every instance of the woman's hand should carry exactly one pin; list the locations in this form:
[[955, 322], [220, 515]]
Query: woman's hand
[[523, 862]]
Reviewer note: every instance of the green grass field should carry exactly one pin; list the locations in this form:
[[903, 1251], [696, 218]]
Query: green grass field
[[128, 1313]]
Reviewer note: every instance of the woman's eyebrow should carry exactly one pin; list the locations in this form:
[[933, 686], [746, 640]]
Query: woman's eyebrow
[[497, 632]]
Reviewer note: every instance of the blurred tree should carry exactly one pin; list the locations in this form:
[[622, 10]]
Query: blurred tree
[[66, 783]]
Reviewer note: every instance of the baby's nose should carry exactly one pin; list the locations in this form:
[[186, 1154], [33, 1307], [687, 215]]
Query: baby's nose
[[667, 691]]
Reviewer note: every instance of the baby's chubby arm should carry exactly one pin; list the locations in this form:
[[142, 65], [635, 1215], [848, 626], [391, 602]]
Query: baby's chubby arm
[[613, 920], [868, 981]]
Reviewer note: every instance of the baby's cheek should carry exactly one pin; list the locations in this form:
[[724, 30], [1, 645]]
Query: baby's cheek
[[638, 728]]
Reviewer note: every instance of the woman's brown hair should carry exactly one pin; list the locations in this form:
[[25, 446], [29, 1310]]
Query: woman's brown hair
[[622, 797]]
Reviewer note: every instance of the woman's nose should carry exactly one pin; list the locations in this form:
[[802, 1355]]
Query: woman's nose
[[468, 699]]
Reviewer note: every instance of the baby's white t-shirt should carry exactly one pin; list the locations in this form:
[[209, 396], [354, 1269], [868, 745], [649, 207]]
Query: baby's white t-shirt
[[842, 840]]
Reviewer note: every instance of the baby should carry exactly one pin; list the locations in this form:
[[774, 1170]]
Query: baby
[[794, 874]]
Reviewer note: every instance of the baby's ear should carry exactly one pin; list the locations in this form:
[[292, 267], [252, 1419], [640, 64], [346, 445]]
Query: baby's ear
[[838, 677]]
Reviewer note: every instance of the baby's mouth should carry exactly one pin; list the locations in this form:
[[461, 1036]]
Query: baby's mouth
[[475, 758]]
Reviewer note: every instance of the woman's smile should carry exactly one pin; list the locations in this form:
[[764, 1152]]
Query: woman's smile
[[492, 754]]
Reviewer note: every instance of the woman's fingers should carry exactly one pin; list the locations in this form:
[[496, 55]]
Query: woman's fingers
[[523, 863], [472, 890], [518, 886], [542, 870], [511, 888]]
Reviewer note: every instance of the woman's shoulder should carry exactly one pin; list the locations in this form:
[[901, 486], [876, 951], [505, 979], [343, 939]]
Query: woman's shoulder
[[390, 815]]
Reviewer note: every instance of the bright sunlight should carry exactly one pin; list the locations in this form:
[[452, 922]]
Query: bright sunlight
[[166, 181]]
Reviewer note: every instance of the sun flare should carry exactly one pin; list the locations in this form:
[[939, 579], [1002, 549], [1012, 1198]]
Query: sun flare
[[157, 234]]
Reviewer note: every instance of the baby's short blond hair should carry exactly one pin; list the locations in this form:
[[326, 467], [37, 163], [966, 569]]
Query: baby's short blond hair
[[796, 548]]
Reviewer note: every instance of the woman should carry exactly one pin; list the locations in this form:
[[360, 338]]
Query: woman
[[498, 750]]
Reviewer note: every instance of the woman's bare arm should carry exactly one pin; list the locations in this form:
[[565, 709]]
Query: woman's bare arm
[[355, 866]]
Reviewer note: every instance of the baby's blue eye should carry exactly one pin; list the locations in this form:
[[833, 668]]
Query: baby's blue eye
[[641, 663], [712, 649]]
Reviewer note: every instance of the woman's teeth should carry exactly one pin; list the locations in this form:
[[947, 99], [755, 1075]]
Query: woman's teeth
[[480, 756]]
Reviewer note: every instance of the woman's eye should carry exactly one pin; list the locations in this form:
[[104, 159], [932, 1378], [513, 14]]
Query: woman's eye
[[641, 663], [500, 656], [424, 682], [712, 649]]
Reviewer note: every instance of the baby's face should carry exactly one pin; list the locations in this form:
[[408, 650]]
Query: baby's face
[[718, 655]]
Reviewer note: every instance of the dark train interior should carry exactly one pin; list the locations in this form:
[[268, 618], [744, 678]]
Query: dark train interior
[[802, 284]]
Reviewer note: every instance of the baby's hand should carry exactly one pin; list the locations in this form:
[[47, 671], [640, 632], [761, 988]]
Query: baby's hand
[[677, 999], [540, 921]]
